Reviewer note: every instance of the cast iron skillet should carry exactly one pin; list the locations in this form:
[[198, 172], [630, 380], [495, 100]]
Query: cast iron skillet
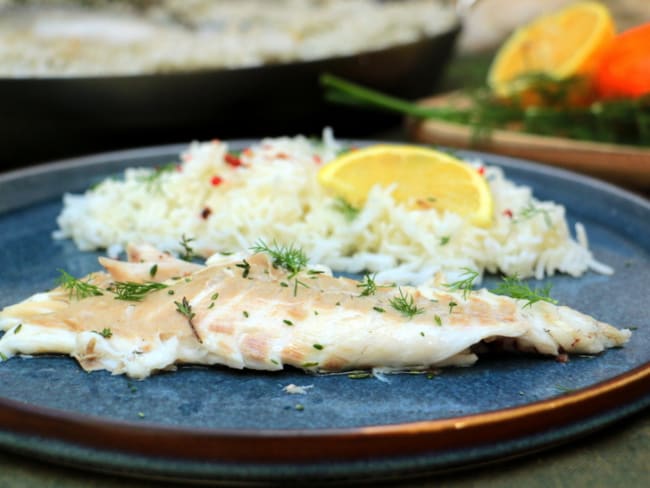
[[47, 118]]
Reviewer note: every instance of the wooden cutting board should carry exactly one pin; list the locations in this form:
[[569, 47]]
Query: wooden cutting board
[[627, 166]]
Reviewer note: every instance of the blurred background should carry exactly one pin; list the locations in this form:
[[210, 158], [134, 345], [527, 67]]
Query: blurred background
[[86, 76]]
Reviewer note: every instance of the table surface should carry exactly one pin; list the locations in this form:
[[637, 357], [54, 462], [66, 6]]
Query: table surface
[[616, 456]]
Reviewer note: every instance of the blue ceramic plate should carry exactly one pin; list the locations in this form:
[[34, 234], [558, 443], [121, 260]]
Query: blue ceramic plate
[[220, 424]]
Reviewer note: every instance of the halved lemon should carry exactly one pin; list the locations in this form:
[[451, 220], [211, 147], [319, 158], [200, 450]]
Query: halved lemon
[[561, 45], [423, 178]]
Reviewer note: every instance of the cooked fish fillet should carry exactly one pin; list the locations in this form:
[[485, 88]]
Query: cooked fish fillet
[[247, 312]]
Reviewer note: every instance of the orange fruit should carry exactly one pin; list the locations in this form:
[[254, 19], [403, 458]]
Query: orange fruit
[[625, 68], [424, 178], [565, 44]]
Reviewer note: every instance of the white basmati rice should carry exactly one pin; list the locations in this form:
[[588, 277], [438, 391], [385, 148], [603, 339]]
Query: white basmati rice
[[274, 196]]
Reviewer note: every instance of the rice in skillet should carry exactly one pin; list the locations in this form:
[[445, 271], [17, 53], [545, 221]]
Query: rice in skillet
[[227, 202]]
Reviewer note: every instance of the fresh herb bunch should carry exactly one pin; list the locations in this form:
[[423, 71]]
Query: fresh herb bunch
[[624, 121]]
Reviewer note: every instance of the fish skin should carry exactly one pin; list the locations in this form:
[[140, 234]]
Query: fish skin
[[266, 319]]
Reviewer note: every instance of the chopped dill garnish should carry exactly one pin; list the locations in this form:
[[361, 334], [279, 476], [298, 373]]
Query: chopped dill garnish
[[405, 304], [465, 285], [245, 266], [297, 282], [170, 292], [530, 211], [291, 258], [105, 333], [135, 292], [314, 272], [320, 347], [245, 314], [378, 309], [299, 406], [359, 375], [309, 365], [3, 357], [152, 180], [368, 285], [17, 329], [451, 307], [188, 252], [77, 288], [153, 270], [564, 389], [214, 296], [513, 287], [344, 207], [438, 320], [284, 284], [287, 321], [444, 240], [422, 333]]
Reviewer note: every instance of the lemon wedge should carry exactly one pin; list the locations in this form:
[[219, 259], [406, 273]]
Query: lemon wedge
[[423, 178]]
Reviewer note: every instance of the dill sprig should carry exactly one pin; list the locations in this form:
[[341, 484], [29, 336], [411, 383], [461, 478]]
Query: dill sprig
[[152, 180], [188, 252], [531, 210], [368, 285], [465, 285], [185, 308], [77, 288], [348, 211], [291, 258], [405, 304], [135, 292], [513, 287]]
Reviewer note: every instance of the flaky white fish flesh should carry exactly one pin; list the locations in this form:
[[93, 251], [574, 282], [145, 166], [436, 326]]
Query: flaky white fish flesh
[[246, 312]]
